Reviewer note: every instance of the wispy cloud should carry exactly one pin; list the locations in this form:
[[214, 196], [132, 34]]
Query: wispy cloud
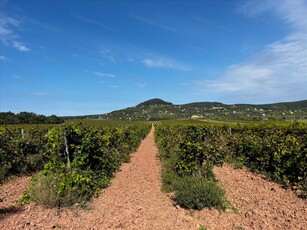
[[17, 77], [20, 47], [104, 74], [279, 71], [141, 85], [3, 58], [8, 36], [151, 22], [209, 22], [39, 94], [162, 62], [108, 55], [93, 22]]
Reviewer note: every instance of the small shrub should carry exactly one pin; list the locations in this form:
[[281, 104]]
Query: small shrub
[[45, 189], [25, 199], [198, 192]]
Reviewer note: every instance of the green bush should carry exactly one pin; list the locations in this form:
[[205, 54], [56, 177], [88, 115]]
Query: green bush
[[22, 154], [278, 151], [82, 161], [48, 190], [189, 155], [197, 192]]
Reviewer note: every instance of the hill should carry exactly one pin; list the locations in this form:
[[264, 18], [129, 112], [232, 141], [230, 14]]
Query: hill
[[158, 109], [155, 101]]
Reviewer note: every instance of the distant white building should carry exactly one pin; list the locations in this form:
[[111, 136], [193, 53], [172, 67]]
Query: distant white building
[[196, 117]]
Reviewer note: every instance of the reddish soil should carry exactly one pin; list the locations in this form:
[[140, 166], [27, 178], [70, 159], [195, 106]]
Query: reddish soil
[[261, 204], [11, 192], [135, 201]]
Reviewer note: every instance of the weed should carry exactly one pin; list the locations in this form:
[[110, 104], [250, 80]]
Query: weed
[[197, 192], [25, 199], [44, 189]]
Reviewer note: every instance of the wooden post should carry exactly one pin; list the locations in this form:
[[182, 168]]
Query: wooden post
[[22, 134], [66, 148]]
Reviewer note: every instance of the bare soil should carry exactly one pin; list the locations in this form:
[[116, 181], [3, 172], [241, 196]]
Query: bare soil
[[134, 201]]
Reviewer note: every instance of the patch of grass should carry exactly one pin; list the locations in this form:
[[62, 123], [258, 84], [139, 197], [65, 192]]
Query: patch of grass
[[202, 228], [234, 209], [44, 189], [25, 199], [197, 192]]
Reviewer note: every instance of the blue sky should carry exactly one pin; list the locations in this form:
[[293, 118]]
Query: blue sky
[[88, 57]]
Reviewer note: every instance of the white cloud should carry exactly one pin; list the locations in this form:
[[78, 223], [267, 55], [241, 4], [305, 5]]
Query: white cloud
[[3, 58], [141, 85], [8, 36], [279, 71], [20, 47], [104, 74], [161, 62], [292, 12]]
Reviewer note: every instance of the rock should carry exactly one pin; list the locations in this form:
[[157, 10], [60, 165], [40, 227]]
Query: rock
[[248, 214]]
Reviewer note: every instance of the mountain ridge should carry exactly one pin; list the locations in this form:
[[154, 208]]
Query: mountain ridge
[[157, 109]]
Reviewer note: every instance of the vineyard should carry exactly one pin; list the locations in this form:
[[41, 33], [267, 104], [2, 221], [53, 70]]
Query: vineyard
[[279, 151], [71, 163], [74, 161]]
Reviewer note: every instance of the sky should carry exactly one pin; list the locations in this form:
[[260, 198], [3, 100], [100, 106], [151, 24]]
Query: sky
[[71, 57]]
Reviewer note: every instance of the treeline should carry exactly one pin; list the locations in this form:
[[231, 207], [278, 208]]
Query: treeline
[[28, 118]]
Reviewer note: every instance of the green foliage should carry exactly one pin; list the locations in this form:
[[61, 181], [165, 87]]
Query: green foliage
[[83, 165], [202, 228], [22, 154], [189, 154], [28, 118], [57, 190], [276, 150], [196, 149], [25, 199], [197, 192], [70, 173], [280, 152]]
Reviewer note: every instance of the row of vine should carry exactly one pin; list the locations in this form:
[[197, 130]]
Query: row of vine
[[277, 150], [74, 160]]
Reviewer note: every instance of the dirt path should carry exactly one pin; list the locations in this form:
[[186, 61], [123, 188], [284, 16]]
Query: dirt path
[[135, 201]]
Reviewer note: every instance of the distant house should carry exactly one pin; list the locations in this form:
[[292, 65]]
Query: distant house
[[196, 117]]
